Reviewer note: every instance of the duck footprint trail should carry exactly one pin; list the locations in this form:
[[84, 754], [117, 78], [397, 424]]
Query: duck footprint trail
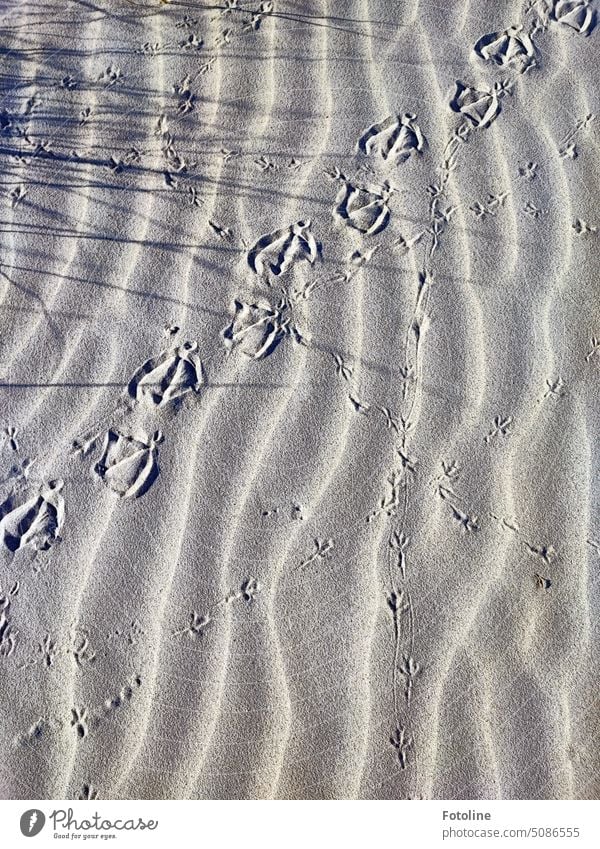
[[128, 463]]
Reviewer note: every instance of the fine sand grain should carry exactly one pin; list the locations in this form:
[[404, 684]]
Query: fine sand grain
[[299, 369]]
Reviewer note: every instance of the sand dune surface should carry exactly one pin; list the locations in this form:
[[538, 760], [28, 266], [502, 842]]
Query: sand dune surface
[[299, 361]]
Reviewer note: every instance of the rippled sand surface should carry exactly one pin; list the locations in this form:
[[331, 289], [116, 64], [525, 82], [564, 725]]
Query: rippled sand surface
[[299, 368]]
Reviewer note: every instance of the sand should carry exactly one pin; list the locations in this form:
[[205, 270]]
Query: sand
[[299, 372]]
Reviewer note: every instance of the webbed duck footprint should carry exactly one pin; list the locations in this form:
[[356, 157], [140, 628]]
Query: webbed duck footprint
[[166, 378], [481, 107], [364, 209], [512, 46], [577, 14], [128, 465], [257, 329], [277, 251], [35, 521], [394, 139]]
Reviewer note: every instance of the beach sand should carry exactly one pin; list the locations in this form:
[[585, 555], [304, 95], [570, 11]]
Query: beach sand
[[299, 367]]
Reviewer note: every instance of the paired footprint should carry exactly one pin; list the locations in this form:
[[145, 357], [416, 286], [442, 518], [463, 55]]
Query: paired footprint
[[128, 463], [391, 141], [514, 46]]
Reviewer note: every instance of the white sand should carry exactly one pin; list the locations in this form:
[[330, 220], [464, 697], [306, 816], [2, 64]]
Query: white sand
[[347, 545]]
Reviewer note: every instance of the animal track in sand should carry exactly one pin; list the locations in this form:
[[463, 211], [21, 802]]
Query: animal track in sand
[[79, 721], [567, 148], [199, 622], [294, 514], [257, 329], [255, 22], [82, 719], [480, 107], [582, 228], [394, 139], [528, 170], [9, 435], [545, 552], [513, 47], [32, 103], [80, 646], [34, 733], [87, 792], [542, 582], [122, 697], [276, 252], [110, 76], [409, 669], [467, 520], [191, 42], [166, 378], [130, 635], [320, 552], [402, 744], [128, 465], [532, 211], [17, 195], [8, 637], [594, 346], [357, 405], [222, 232], [264, 164], [35, 521], [579, 15], [398, 542], [555, 388], [501, 427], [343, 369], [391, 501], [490, 206], [363, 208], [188, 23], [47, 650]]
